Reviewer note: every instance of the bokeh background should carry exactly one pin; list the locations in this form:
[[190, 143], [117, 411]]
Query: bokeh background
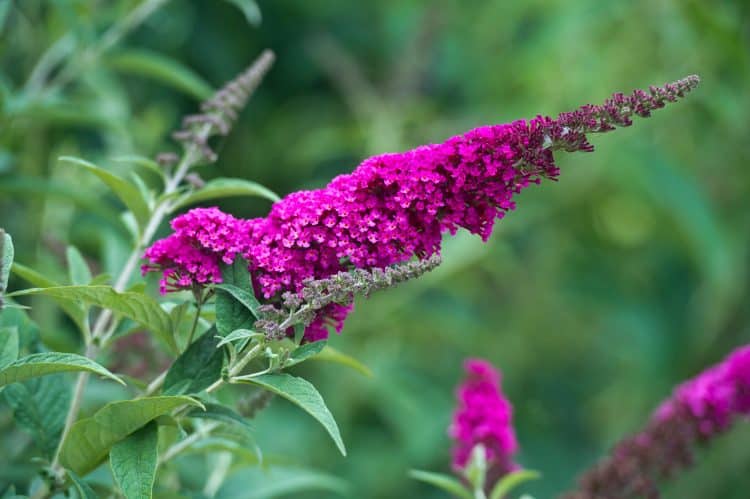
[[595, 297]]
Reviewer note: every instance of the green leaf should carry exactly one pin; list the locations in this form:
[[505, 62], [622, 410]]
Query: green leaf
[[39, 407], [330, 354], [133, 461], [82, 488], [512, 480], [41, 364], [78, 269], [232, 314], [239, 334], [304, 352], [197, 368], [8, 346], [245, 297], [76, 311], [129, 194], [221, 444], [163, 69], [141, 161], [302, 393], [6, 259], [444, 482], [137, 306], [221, 188], [219, 412], [257, 483], [250, 9], [91, 439]]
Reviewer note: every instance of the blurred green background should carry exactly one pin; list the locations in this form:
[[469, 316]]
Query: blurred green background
[[595, 297]]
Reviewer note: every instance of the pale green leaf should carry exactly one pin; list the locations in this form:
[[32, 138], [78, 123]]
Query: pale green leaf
[[330, 354], [128, 193], [219, 412], [239, 334], [41, 364], [304, 352], [221, 188], [257, 483], [160, 68], [6, 258], [8, 346], [76, 311], [197, 368], [444, 482], [133, 461], [512, 480], [302, 393], [91, 439], [136, 306], [141, 161], [78, 269], [250, 9]]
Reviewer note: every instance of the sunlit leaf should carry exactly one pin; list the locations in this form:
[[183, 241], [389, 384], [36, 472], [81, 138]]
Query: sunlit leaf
[[221, 188], [41, 364], [136, 306], [444, 482], [302, 393], [133, 461], [91, 439]]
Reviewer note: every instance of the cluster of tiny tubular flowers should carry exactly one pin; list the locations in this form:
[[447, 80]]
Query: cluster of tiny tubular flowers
[[698, 410], [392, 207], [483, 416]]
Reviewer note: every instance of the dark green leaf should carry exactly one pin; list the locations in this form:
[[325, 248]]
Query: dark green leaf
[[232, 314], [197, 368], [222, 188], [137, 306], [8, 346], [41, 364], [82, 488], [444, 482], [510, 481], [39, 407], [304, 352], [133, 461], [129, 194], [302, 393], [91, 439], [78, 269], [245, 297], [6, 259], [221, 413], [162, 69]]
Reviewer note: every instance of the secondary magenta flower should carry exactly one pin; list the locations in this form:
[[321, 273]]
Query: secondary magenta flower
[[392, 207], [484, 416], [698, 410]]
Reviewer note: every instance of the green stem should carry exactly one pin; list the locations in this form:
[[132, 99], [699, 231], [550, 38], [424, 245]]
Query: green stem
[[199, 305]]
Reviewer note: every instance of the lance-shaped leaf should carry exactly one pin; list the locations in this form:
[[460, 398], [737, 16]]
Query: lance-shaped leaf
[[302, 393], [511, 481], [41, 364], [133, 461], [136, 306], [8, 346], [273, 482], [91, 439], [162, 69], [221, 188], [231, 313], [219, 412], [83, 489], [444, 482], [197, 368], [128, 193], [78, 269], [245, 297], [250, 9], [6, 259], [330, 354]]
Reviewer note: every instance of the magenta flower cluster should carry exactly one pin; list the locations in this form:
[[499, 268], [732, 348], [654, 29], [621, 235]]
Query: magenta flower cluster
[[393, 207], [484, 416], [698, 410]]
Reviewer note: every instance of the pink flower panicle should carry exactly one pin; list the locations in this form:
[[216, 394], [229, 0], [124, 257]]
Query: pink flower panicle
[[698, 410], [483, 416], [392, 207]]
